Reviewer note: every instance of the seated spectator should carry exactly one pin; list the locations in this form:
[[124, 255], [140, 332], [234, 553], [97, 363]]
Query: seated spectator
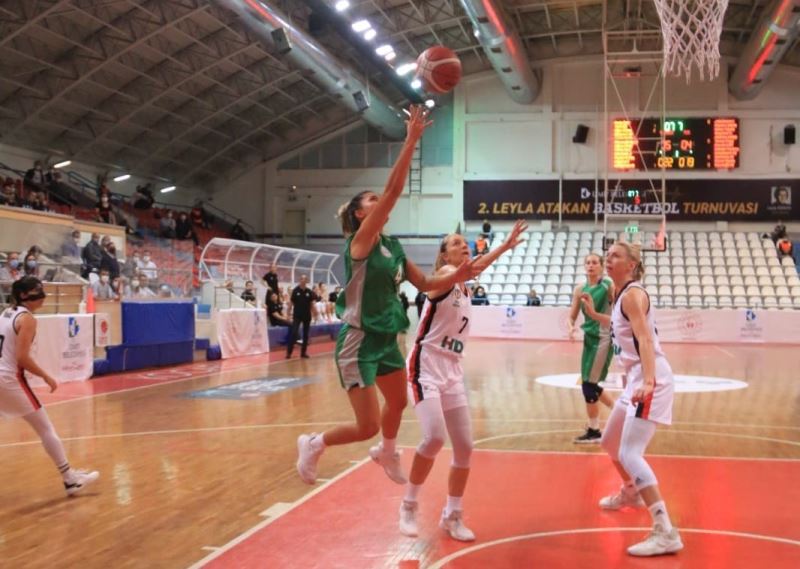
[[139, 288], [164, 291], [481, 245], [328, 307], [275, 311], [778, 233], [12, 271], [119, 286], [168, 225], [35, 178], [334, 295], [103, 212], [31, 265], [271, 279], [480, 298], [102, 288], [239, 233], [533, 299], [92, 256], [785, 247], [249, 293], [184, 229], [142, 197], [109, 260], [8, 196], [486, 228], [147, 267], [72, 246]]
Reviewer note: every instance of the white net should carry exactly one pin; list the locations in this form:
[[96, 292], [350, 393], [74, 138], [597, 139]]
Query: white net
[[691, 30]]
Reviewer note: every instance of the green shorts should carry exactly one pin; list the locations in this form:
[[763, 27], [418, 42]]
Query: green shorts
[[595, 358], [362, 356]]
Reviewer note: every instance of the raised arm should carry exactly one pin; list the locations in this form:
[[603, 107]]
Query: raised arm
[[373, 223], [511, 241], [443, 279]]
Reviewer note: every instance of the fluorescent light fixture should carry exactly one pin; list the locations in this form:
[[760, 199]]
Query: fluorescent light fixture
[[63, 164], [361, 26], [430, 103], [341, 5], [167, 189], [370, 34], [406, 68], [384, 49], [390, 56], [122, 178], [416, 84]]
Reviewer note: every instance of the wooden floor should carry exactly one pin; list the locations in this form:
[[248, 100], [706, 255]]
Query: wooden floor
[[181, 476]]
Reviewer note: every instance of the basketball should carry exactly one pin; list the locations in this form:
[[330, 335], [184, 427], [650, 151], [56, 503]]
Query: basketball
[[439, 69]]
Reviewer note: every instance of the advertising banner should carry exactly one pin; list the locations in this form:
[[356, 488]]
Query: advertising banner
[[242, 332], [64, 347]]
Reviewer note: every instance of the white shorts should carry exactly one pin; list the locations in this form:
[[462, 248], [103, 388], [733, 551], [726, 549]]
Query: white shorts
[[438, 376], [657, 407], [17, 399]]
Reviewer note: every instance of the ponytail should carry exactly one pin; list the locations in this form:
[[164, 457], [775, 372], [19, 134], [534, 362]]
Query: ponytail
[[347, 214], [440, 257], [634, 253]]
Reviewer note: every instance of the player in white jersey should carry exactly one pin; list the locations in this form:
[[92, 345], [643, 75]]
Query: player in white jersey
[[17, 399], [646, 401], [436, 385]]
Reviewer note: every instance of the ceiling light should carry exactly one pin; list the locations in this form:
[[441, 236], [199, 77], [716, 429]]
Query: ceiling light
[[384, 49], [390, 56], [122, 178], [406, 68], [341, 5], [430, 103], [370, 34], [168, 189], [361, 26], [416, 84], [63, 164]]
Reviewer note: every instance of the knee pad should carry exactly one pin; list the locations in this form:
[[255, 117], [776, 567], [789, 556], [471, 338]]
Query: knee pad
[[591, 391], [430, 445]]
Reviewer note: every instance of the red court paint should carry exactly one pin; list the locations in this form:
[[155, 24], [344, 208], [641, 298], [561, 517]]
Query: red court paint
[[352, 522]]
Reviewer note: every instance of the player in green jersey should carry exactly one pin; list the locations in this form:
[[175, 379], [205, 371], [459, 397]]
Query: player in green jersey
[[367, 354], [597, 351]]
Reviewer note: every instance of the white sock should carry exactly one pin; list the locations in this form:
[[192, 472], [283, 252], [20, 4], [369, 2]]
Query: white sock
[[412, 491], [453, 504], [389, 445], [318, 443], [594, 423], [660, 516]]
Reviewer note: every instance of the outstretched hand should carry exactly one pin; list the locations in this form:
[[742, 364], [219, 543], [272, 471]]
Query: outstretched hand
[[513, 238], [417, 121], [467, 271]]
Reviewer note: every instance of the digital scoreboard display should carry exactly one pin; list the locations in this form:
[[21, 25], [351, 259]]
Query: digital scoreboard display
[[675, 144]]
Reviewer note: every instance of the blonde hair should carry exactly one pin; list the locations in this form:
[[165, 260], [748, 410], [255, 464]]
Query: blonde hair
[[634, 253], [440, 262]]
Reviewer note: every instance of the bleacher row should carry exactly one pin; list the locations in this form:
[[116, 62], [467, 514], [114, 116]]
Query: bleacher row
[[699, 269]]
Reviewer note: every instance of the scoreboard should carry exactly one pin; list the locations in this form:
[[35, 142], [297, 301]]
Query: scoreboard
[[688, 144]]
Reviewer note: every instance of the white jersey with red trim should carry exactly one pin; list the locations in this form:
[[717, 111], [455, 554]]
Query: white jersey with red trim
[[444, 324], [9, 367], [626, 345]]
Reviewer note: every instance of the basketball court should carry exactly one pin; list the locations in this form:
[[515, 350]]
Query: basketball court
[[192, 476]]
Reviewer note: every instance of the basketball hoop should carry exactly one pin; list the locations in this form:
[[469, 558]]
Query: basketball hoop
[[691, 30]]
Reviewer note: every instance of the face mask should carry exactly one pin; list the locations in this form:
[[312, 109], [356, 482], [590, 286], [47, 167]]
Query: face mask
[[112, 250], [76, 239], [147, 258], [136, 257], [104, 279], [104, 201], [13, 263], [31, 264], [135, 283]]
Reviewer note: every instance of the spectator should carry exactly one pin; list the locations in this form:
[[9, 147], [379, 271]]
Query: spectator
[[334, 295], [302, 299], [229, 286], [271, 279], [139, 288], [481, 245], [184, 229], [92, 256], [31, 265], [142, 197], [785, 247], [533, 299], [249, 294], [102, 288], [147, 267], [239, 233], [13, 270], [131, 266], [486, 228], [72, 245], [9, 194], [200, 216], [404, 301], [35, 178], [168, 225], [480, 298], [779, 232], [275, 310], [109, 260], [164, 291], [102, 190], [419, 300], [119, 285], [103, 212]]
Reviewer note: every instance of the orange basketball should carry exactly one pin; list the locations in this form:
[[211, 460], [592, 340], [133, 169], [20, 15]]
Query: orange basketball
[[439, 69]]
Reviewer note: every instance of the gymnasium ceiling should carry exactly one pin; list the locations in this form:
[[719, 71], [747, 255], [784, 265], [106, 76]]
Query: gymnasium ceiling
[[181, 90]]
